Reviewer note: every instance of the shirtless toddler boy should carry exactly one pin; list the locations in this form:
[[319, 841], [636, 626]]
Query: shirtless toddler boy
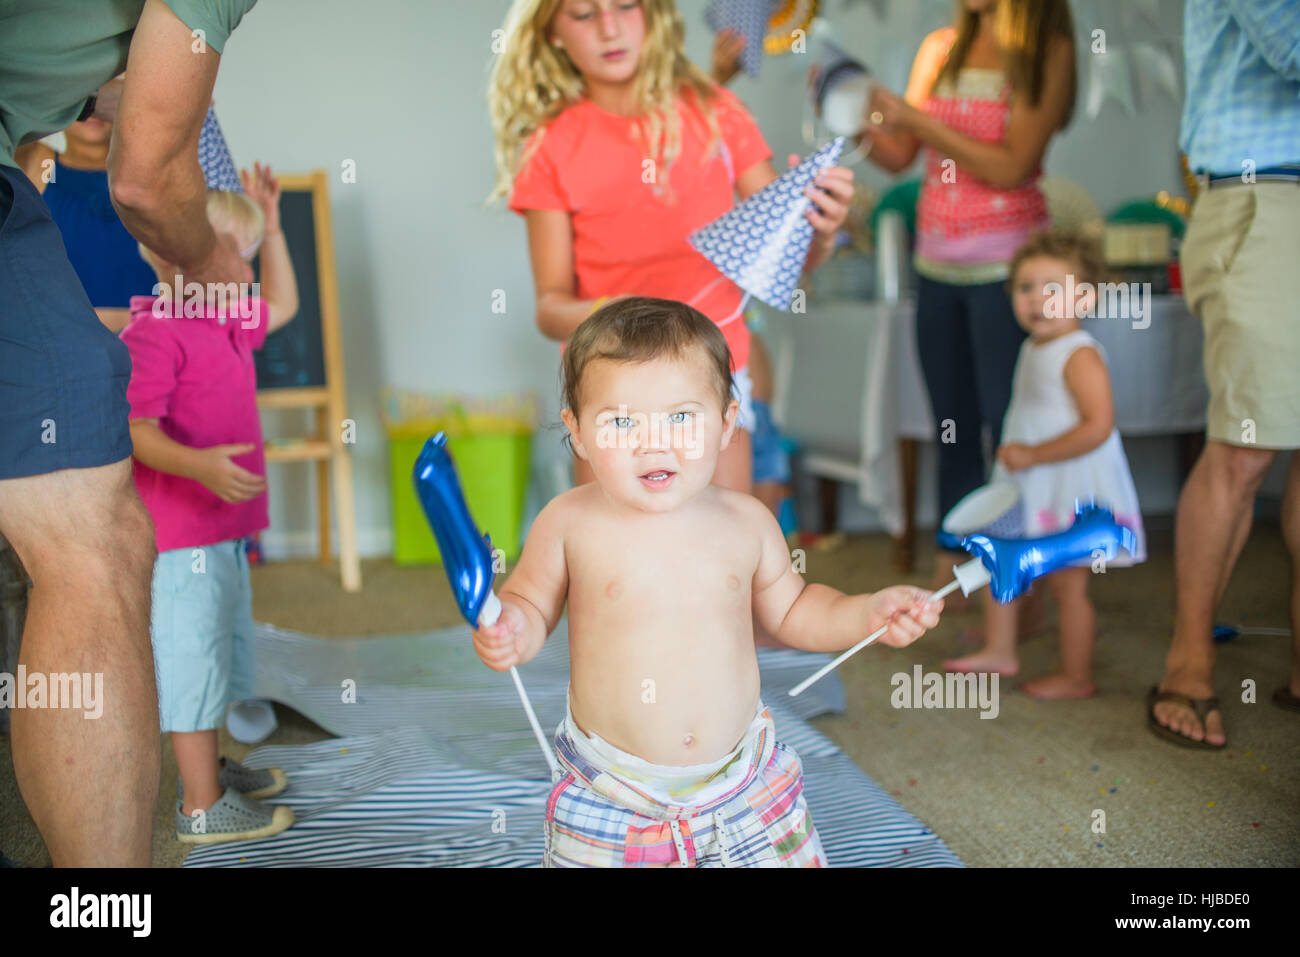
[[667, 754]]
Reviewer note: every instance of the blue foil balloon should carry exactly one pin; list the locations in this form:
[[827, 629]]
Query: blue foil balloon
[[1014, 563], [466, 555]]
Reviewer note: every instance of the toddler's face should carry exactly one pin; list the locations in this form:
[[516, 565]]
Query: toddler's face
[[652, 431], [1047, 298], [603, 38]]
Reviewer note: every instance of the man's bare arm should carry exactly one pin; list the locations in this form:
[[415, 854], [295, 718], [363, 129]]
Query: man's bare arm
[[154, 177]]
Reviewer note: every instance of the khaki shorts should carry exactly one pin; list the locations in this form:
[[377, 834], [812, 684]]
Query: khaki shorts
[[1241, 276]]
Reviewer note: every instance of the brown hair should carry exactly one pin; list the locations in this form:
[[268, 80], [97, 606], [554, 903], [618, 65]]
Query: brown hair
[[1080, 250], [1024, 29], [641, 329]]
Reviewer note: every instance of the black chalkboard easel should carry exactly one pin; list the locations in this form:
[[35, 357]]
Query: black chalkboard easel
[[301, 365]]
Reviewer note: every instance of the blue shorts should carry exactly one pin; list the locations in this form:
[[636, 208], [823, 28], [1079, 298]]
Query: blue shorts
[[771, 462], [63, 374], [202, 630]]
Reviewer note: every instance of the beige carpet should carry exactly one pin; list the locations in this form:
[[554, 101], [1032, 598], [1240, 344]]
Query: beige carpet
[[1021, 789]]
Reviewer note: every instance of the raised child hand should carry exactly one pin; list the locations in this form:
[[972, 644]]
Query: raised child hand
[[501, 644], [906, 611], [263, 189]]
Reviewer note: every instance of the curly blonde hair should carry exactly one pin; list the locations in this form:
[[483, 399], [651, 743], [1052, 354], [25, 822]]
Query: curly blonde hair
[[532, 82]]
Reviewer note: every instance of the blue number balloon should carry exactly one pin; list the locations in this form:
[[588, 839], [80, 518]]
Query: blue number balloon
[[1014, 563], [466, 556]]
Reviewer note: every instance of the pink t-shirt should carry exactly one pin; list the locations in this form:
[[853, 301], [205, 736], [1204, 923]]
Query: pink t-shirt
[[630, 220], [196, 377]]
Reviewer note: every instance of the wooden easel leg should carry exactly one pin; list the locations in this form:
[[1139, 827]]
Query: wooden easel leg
[[345, 507], [323, 493], [828, 493], [905, 545]]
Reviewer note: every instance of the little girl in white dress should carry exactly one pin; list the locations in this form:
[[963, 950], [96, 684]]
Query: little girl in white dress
[[1059, 447]]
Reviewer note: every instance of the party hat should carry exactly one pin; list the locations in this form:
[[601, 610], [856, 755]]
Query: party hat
[[214, 157], [761, 244], [749, 18]]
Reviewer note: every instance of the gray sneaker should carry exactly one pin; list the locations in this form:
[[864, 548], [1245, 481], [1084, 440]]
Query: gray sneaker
[[235, 817], [256, 783]]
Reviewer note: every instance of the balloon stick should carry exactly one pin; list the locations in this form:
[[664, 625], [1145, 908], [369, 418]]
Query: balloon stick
[[968, 578]]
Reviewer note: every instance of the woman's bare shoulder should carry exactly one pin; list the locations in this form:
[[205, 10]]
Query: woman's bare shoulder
[[937, 43]]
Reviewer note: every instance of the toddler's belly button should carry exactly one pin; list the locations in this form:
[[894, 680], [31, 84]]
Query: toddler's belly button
[[689, 740]]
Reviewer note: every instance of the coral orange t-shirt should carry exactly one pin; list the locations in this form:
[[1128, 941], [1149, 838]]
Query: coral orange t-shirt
[[631, 219]]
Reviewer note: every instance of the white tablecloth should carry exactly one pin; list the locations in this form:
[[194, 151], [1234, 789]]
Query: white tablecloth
[[849, 386]]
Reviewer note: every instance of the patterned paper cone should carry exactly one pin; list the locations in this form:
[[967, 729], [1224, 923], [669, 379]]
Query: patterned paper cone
[[761, 244], [749, 17], [214, 157]]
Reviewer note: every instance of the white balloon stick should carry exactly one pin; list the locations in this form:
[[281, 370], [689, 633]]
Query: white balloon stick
[[488, 617], [969, 577]]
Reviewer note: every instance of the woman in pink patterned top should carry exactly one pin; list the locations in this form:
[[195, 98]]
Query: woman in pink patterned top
[[984, 98]]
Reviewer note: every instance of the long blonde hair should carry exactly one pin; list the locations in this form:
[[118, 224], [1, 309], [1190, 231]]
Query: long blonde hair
[[1024, 30], [532, 83]]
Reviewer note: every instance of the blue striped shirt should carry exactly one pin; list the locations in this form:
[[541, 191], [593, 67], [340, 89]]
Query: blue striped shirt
[[1242, 63]]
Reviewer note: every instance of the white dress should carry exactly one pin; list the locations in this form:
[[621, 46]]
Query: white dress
[[1042, 409]]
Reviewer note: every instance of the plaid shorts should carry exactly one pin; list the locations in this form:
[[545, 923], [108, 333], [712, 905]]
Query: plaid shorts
[[597, 819]]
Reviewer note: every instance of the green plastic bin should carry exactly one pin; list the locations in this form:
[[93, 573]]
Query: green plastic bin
[[493, 466]]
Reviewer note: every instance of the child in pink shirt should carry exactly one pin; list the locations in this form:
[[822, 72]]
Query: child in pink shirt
[[199, 469]]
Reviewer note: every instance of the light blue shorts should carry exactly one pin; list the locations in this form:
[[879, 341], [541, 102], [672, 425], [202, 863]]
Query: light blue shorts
[[202, 631]]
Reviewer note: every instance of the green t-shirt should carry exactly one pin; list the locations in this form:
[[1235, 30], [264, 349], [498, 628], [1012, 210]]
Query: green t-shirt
[[55, 53]]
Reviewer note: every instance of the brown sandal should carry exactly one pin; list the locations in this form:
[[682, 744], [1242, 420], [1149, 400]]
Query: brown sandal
[[1200, 706], [1283, 698]]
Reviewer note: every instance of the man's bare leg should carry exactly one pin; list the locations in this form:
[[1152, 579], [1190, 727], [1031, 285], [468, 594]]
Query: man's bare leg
[[1215, 511], [87, 543], [1291, 534]]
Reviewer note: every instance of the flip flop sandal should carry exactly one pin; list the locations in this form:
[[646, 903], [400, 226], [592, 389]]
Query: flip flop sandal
[[255, 783], [1200, 706], [233, 818], [1284, 699]]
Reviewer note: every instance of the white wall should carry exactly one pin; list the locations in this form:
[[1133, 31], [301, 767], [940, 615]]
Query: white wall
[[398, 86]]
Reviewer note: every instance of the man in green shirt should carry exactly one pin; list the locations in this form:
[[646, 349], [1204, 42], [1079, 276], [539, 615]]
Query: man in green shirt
[[68, 504]]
